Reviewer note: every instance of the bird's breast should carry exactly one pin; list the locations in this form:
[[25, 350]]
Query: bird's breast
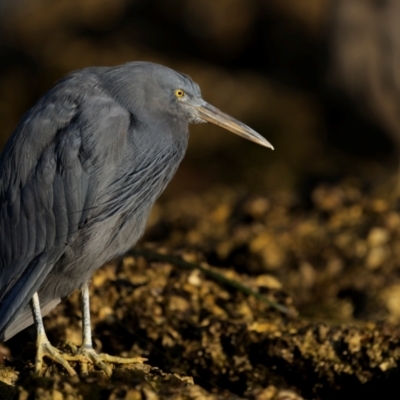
[[122, 209]]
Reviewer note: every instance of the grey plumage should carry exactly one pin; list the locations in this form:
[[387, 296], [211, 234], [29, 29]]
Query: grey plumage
[[80, 174]]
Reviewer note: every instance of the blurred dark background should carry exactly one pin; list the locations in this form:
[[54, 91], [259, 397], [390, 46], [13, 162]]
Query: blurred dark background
[[318, 78]]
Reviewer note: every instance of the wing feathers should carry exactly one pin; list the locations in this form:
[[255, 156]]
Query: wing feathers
[[50, 172]]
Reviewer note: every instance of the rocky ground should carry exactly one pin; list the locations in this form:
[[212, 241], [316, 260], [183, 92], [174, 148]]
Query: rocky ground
[[333, 258]]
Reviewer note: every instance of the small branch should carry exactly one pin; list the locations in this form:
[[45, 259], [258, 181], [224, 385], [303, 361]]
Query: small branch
[[179, 262]]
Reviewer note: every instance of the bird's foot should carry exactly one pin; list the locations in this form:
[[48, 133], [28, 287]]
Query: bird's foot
[[104, 362], [45, 349]]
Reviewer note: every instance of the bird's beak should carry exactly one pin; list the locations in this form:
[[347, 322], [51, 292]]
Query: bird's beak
[[209, 113]]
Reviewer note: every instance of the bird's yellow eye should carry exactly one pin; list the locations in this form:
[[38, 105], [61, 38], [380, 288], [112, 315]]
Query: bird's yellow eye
[[179, 93]]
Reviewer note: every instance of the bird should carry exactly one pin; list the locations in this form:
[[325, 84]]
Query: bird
[[78, 178]]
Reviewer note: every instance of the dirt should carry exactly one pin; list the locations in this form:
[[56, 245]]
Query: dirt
[[333, 258]]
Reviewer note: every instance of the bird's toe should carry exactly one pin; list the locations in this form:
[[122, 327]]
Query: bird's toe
[[45, 349], [104, 362]]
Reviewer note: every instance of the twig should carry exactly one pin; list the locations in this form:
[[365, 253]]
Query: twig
[[179, 262]]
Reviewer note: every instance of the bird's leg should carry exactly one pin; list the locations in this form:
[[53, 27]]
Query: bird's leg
[[86, 351], [87, 344], [44, 348]]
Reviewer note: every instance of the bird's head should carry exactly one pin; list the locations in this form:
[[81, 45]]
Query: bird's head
[[167, 95], [186, 95]]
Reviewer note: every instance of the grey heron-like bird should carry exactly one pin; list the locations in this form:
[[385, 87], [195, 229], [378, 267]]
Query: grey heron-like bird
[[78, 179]]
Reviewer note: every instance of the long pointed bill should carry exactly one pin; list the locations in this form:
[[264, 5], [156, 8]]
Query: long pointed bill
[[209, 113]]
